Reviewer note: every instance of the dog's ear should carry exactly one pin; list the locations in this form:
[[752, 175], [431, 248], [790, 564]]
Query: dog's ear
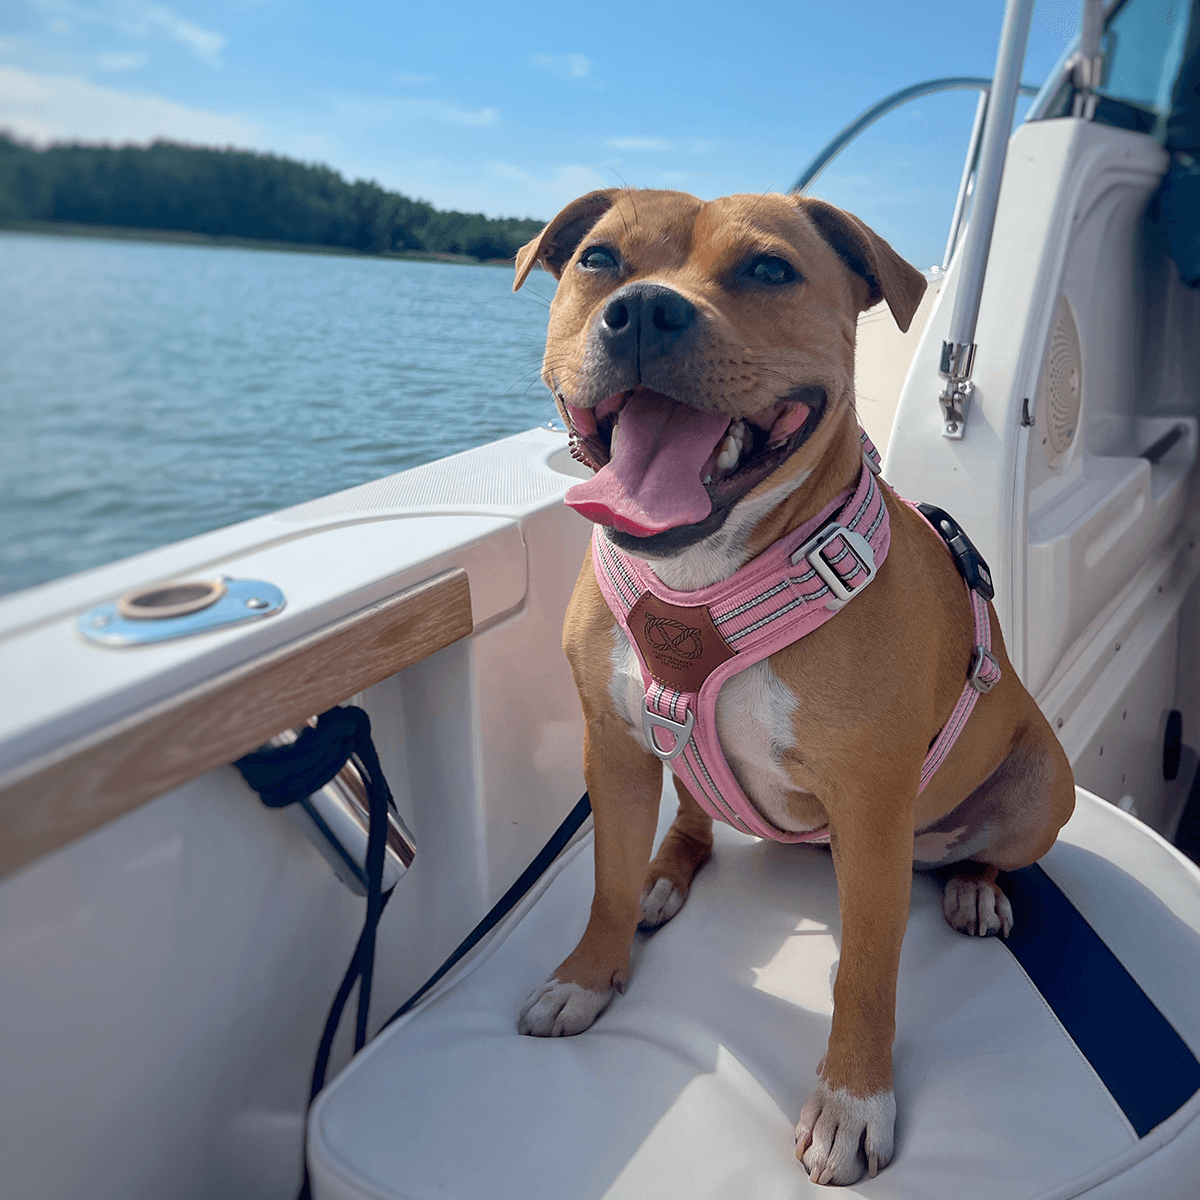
[[888, 276], [559, 240]]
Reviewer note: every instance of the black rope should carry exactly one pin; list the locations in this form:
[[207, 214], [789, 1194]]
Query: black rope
[[284, 775]]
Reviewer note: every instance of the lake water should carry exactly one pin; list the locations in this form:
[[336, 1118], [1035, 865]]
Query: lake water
[[150, 392]]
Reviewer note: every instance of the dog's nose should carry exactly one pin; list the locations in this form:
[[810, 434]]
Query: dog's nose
[[645, 320]]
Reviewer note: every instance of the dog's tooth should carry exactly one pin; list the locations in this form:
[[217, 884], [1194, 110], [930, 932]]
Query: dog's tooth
[[730, 452], [745, 440], [707, 479], [612, 437]]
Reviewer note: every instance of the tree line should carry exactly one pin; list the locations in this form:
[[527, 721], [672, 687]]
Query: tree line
[[237, 193]]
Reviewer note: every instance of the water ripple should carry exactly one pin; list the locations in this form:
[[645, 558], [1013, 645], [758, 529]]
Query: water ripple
[[151, 392]]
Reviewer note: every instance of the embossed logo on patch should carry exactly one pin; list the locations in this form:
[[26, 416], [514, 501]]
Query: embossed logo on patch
[[670, 636], [680, 646]]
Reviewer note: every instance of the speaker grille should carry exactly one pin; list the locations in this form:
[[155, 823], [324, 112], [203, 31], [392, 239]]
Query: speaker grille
[[1062, 384]]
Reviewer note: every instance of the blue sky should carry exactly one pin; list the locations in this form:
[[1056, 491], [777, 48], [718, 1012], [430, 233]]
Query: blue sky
[[514, 109]]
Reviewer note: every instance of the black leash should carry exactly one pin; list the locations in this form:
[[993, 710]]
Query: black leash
[[284, 775], [532, 873]]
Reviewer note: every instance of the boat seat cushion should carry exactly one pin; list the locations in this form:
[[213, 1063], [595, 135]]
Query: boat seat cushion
[[689, 1085]]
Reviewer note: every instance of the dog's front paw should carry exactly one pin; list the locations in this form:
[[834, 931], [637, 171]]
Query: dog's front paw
[[560, 1009], [840, 1136], [976, 907], [660, 902]]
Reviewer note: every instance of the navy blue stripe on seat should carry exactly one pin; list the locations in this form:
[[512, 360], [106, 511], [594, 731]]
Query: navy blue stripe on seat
[[1140, 1058]]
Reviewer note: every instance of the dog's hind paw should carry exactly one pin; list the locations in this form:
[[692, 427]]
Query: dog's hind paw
[[976, 907], [560, 1009], [660, 903], [841, 1137]]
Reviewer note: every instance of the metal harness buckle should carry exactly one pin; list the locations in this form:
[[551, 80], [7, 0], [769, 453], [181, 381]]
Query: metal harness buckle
[[979, 664], [682, 731], [858, 546]]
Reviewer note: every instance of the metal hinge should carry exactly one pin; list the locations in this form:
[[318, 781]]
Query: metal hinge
[[958, 360]]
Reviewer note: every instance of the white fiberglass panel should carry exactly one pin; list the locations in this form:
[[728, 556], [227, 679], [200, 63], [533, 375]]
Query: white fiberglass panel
[[1093, 545], [60, 687]]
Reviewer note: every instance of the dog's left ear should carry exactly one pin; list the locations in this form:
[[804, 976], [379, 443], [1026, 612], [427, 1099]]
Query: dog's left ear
[[888, 276], [560, 239]]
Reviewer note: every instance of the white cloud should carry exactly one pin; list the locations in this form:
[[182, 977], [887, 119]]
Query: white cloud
[[121, 62], [451, 115], [565, 66], [203, 43], [412, 80], [638, 143], [136, 18], [45, 108], [512, 189], [691, 145]]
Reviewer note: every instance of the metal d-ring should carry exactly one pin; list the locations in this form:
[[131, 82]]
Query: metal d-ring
[[682, 731]]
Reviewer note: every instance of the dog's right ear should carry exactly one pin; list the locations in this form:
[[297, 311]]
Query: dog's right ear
[[888, 276], [560, 239]]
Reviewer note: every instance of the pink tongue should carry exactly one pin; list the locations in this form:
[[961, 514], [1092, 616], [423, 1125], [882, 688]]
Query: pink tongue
[[652, 482]]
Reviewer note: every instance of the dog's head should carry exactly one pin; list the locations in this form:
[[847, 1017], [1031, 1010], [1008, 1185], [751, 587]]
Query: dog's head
[[701, 349]]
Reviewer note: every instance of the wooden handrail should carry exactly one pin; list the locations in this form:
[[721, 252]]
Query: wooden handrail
[[89, 782]]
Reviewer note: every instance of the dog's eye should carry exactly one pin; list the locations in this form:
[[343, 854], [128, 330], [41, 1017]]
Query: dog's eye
[[766, 268], [596, 258]]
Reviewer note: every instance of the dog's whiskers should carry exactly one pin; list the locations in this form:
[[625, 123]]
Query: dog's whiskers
[[535, 297]]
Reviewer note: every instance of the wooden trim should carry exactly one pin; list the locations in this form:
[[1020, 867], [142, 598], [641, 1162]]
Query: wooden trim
[[87, 783]]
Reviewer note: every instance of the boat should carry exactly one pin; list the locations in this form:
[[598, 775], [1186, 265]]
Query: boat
[[171, 945]]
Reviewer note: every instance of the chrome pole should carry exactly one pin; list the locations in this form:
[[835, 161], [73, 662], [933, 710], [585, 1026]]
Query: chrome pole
[[1088, 62], [958, 352], [964, 187]]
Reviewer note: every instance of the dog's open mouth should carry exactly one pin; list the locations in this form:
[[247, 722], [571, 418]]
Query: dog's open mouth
[[662, 465]]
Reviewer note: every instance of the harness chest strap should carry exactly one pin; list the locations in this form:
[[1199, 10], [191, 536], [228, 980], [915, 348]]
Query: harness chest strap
[[689, 643]]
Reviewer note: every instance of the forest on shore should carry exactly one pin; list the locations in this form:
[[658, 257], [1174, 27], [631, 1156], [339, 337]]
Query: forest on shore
[[237, 194]]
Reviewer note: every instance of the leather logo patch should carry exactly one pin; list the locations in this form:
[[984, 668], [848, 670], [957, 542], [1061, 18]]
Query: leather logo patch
[[669, 637], [681, 646]]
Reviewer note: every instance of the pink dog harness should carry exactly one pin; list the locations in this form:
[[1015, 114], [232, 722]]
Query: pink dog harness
[[689, 643]]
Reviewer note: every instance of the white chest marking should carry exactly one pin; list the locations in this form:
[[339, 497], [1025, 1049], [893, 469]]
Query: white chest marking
[[755, 714], [721, 553]]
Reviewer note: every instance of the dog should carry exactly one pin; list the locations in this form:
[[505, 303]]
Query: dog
[[702, 356]]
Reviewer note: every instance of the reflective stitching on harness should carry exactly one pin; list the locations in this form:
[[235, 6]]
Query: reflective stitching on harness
[[733, 818], [746, 611]]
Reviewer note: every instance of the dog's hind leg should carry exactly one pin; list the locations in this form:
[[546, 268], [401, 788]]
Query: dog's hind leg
[[974, 903], [684, 850], [1009, 821]]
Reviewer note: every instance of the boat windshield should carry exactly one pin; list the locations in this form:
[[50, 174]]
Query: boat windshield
[[1142, 46]]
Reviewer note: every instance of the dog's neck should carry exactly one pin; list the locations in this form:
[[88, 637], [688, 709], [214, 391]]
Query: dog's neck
[[759, 521]]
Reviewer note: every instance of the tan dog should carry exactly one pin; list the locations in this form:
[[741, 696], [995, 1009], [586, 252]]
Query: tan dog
[[746, 308]]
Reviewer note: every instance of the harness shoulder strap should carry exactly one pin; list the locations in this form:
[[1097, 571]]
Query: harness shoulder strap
[[984, 672]]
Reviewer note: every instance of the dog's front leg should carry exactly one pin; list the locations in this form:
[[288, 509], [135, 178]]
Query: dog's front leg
[[625, 784], [846, 1127]]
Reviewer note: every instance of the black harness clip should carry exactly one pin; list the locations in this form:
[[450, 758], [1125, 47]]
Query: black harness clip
[[967, 559]]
